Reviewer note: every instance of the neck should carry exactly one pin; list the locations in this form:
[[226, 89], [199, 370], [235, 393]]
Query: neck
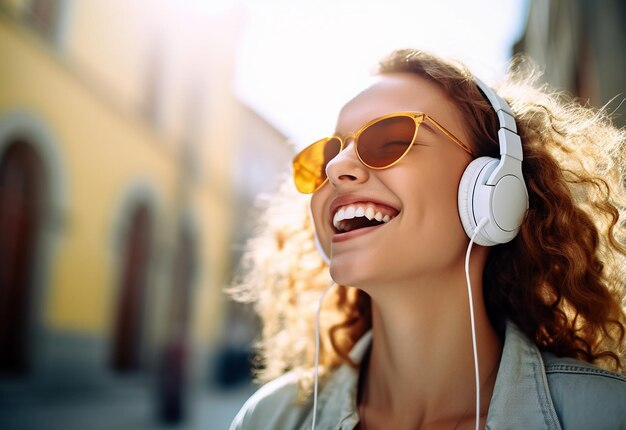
[[421, 368]]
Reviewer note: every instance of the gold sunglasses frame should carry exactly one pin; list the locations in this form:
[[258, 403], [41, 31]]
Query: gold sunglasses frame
[[417, 117]]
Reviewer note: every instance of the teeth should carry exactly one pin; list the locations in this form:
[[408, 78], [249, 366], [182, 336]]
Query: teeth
[[350, 212], [341, 214]]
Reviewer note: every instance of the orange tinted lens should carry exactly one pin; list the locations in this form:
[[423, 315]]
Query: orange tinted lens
[[309, 166], [386, 141]]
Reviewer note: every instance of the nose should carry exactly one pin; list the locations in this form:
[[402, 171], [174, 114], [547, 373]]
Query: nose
[[346, 169]]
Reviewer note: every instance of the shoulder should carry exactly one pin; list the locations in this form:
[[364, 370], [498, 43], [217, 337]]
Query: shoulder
[[273, 406], [585, 396]]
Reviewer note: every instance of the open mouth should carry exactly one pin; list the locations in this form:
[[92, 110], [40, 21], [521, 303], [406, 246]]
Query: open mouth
[[360, 215]]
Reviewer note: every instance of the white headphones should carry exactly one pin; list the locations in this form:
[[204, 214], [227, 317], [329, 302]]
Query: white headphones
[[492, 188]]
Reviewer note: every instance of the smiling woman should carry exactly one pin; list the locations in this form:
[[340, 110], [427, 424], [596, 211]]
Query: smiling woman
[[421, 328]]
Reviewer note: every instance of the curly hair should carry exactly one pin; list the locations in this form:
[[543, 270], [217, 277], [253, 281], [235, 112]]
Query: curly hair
[[562, 280]]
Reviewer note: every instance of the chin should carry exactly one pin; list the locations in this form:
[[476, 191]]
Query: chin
[[355, 273], [338, 275], [345, 274]]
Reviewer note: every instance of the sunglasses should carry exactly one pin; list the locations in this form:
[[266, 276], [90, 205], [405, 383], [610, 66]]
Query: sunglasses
[[379, 144]]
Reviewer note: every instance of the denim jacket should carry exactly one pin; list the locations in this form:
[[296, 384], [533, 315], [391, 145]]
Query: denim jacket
[[533, 390]]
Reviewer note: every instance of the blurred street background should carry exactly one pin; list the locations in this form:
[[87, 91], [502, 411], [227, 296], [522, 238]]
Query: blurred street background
[[135, 139]]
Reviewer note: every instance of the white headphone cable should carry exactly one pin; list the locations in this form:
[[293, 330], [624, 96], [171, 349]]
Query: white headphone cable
[[317, 351], [480, 225]]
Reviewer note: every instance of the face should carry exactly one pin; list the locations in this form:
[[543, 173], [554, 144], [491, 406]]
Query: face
[[423, 238]]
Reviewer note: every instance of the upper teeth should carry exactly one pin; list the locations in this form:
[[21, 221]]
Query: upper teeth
[[356, 211]]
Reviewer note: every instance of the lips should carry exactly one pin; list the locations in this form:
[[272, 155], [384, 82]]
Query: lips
[[349, 213]]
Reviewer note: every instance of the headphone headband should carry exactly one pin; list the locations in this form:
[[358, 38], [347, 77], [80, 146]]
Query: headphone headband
[[509, 140], [494, 188]]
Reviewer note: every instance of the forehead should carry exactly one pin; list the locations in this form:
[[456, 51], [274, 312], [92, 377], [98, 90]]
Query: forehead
[[398, 92]]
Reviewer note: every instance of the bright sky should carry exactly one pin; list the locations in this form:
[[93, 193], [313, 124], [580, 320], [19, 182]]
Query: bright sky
[[300, 61]]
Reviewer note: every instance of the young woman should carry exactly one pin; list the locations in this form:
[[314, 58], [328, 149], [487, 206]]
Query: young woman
[[420, 329]]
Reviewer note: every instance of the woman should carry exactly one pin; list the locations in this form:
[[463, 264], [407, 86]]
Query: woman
[[541, 342]]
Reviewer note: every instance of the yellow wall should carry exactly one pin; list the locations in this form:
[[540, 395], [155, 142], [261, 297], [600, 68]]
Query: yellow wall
[[101, 151], [90, 93]]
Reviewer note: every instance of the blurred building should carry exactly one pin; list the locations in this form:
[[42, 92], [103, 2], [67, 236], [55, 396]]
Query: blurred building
[[263, 163], [119, 133], [580, 44]]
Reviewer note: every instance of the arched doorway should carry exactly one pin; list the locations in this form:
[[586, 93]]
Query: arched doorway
[[21, 194], [128, 330]]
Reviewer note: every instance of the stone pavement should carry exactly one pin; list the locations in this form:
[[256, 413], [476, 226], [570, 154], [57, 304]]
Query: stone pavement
[[124, 406]]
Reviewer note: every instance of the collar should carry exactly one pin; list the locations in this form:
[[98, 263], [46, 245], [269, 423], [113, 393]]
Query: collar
[[521, 396], [338, 397]]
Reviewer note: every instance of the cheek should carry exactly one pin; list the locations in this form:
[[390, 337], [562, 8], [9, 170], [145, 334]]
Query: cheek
[[447, 221], [436, 202]]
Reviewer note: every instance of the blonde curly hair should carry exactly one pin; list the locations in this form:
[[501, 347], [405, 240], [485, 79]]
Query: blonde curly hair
[[562, 280]]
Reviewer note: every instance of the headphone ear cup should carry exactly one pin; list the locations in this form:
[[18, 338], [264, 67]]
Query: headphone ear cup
[[477, 169]]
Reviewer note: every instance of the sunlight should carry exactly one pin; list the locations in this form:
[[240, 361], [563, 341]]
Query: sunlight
[[299, 62]]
